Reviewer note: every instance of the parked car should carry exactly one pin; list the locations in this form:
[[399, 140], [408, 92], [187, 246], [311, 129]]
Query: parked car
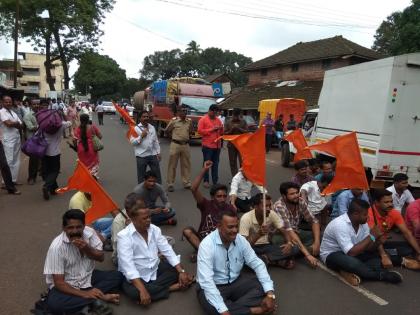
[[109, 108]]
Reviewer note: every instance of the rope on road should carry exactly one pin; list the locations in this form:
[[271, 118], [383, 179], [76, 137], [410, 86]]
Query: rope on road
[[370, 295]]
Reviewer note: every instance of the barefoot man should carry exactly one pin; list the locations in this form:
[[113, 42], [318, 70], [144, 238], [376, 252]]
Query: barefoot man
[[69, 269]]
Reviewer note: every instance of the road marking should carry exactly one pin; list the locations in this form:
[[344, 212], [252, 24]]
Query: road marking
[[362, 290], [272, 162]]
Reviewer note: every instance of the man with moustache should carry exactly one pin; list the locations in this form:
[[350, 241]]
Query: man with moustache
[[383, 215], [69, 269], [221, 287]]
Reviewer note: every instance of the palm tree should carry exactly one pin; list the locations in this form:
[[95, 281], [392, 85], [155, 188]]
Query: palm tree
[[193, 48]]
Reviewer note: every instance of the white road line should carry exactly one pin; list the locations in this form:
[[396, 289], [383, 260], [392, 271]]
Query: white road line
[[370, 295], [272, 162]]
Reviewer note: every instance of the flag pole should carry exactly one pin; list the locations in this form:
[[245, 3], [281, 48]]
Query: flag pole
[[264, 205]]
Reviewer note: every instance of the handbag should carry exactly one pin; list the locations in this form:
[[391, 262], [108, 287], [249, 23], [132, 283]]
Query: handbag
[[97, 143], [36, 145]]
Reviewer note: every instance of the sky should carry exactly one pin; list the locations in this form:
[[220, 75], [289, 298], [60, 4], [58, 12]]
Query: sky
[[255, 28]]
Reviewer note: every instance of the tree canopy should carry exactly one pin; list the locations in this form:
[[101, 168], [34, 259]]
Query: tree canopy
[[400, 32], [195, 62]]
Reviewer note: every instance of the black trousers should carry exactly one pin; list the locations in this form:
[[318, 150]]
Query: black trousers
[[106, 281], [33, 167], [274, 252], [243, 205], [234, 156], [239, 296], [142, 163], [268, 139], [158, 289], [5, 171], [50, 171], [397, 250], [100, 118]]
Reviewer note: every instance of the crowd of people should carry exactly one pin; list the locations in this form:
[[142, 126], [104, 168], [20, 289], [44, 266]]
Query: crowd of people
[[241, 224]]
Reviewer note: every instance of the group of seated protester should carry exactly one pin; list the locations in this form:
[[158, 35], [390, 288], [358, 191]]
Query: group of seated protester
[[358, 242]]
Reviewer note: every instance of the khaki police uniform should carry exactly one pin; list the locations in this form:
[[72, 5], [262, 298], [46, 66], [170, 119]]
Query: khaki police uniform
[[179, 149]]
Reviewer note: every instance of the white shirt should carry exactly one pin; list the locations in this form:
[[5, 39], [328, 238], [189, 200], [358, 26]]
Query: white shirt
[[148, 145], [241, 187], [340, 236], [9, 133], [54, 140], [86, 111], [316, 202], [99, 108], [400, 201], [63, 258], [138, 259]]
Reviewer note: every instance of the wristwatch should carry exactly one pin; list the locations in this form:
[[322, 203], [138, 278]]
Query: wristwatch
[[271, 296], [182, 271]]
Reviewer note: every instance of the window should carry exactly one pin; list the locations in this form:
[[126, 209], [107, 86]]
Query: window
[[31, 71], [326, 64], [295, 67], [264, 72]]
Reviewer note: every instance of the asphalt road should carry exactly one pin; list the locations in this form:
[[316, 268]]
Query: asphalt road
[[30, 224]]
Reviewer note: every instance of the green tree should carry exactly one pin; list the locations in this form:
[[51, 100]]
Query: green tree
[[162, 65], [400, 32], [99, 75], [132, 85], [72, 28]]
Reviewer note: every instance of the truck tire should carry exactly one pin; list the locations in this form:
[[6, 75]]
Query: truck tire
[[138, 100], [285, 155]]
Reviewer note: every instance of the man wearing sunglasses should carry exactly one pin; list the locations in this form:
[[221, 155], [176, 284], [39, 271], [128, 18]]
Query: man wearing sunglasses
[[383, 215]]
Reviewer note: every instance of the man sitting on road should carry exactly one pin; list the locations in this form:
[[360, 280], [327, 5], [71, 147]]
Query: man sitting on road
[[302, 175], [255, 230], [317, 203], [148, 278], [240, 192], [221, 287], [401, 196], [412, 219], [383, 215], [69, 269], [350, 247], [149, 191], [326, 169], [342, 203], [209, 209], [291, 208], [83, 201]]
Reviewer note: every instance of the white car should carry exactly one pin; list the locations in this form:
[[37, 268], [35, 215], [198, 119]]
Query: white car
[[109, 108]]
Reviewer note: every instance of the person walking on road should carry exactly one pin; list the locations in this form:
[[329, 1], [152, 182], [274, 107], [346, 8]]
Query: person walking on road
[[31, 127], [210, 128], [235, 126], [269, 131], [73, 117], [11, 125], [179, 129], [85, 150], [100, 111], [146, 148]]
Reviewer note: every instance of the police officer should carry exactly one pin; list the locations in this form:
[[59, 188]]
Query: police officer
[[179, 130]]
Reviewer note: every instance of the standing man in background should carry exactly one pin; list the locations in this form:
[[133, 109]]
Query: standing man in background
[[100, 110], [210, 128], [269, 130]]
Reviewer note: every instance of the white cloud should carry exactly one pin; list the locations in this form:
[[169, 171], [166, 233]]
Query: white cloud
[[137, 28]]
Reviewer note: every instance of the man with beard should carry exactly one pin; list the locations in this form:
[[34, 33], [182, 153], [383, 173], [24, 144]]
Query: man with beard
[[401, 196], [350, 247], [291, 208], [69, 269], [210, 209], [222, 289], [383, 215]]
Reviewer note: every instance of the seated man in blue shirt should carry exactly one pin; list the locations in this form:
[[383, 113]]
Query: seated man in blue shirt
[[343, 200], [221, 287]]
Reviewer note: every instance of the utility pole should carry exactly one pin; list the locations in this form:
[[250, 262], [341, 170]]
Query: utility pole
[[16, 44]]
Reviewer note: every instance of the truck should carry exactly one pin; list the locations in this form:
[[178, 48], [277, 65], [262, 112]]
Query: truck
[[380, 101], [162, 97]]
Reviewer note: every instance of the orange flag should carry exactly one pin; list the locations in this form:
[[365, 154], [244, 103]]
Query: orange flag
[[82, 180], [251, 147], [299, 142], [349, 172], [130, 122]]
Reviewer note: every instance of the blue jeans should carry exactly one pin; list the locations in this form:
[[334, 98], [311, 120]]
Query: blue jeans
[[159, 218], [210, 154], [103, 226]]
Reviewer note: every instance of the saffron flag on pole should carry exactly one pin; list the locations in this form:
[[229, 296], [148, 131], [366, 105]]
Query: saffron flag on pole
[[349, 171], [82, 180], [130, 122], [251, 147], [299, 142]]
